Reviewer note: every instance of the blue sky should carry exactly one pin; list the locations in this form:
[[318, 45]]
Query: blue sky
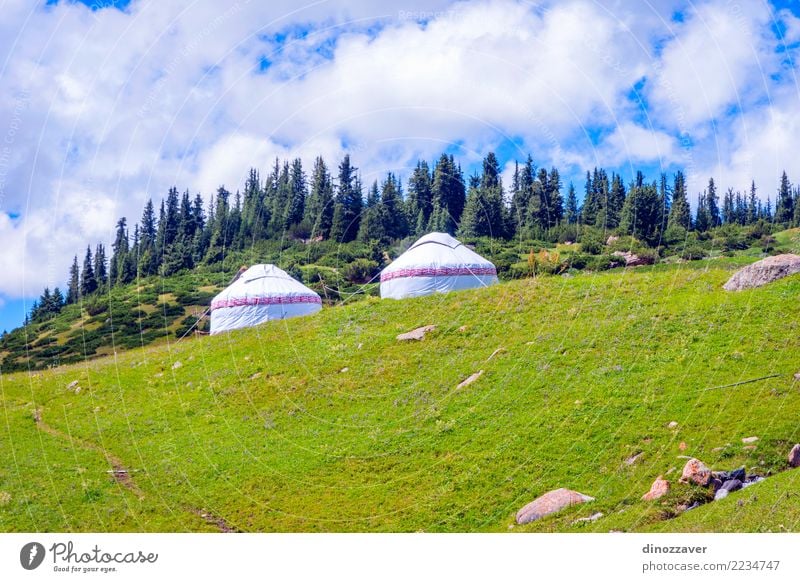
[[104, 106]]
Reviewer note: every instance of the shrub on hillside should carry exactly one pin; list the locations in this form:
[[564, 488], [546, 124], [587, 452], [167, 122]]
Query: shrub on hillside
[[95, 306], [361, 270], [692, 253], [591, 245], [194, 297]]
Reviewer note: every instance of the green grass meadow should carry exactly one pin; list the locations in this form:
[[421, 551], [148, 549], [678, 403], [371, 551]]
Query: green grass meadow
[[328, 423]]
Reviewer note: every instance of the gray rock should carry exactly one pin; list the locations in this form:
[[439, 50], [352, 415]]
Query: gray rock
[[739, 474], [763, 272], [721, 475], [794, 456], [632, 260], [721, 494], [752, 480], [731, 485]]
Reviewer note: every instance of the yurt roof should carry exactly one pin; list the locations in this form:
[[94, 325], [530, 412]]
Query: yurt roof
[[262, 281]]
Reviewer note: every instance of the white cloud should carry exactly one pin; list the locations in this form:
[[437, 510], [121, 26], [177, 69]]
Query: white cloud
[[108, 108], [633, 144], [718, 58]]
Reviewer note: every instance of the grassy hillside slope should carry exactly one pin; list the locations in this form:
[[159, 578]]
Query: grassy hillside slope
[[328, 423]]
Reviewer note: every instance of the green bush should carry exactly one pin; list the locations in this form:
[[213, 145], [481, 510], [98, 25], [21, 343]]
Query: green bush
[[693, 253], [194, 297], [361, 270], [95, 306], [591, 246]]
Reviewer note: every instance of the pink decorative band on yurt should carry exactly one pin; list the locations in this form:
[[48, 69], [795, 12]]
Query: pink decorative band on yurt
[[437, 272], [276, 300]]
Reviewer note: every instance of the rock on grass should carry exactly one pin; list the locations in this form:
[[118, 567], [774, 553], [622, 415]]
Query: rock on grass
[[794, 456], [763, 272], [550, 502], [659, 488], [470, 380], [416, 334], [696, 472]]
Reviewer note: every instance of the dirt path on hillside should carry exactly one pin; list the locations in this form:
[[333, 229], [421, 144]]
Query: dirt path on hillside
[[118, 471]]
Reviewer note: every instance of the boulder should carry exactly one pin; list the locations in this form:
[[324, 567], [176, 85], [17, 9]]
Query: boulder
[[752, 480], [696, 472], [659, 488], [416, 334], [763, 272], [550, 502], [739, 474], [632, 260], [794, 456], [732, 485], [749, 440], [721, 494]]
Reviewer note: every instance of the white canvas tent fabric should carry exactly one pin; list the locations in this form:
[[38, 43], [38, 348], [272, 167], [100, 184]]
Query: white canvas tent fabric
[[261, 293], [436, 263]]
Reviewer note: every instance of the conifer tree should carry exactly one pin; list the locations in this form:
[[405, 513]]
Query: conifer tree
[[702, 220], [393, 218], [448, 193], [148, 258], [371, 226], [616, 200], [420, 194], [483, 212], [712, 205], [728, 207], [590, 202], [521, 193], [100, 269], [680, 212], [349, 199], [784, 204], [297, 194], [319, 209], [641, 214], [571, 210], [74, 289], [88, 281]]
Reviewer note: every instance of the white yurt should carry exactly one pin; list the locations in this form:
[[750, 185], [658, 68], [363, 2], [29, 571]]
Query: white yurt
[[259, 294], [436, 263]]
